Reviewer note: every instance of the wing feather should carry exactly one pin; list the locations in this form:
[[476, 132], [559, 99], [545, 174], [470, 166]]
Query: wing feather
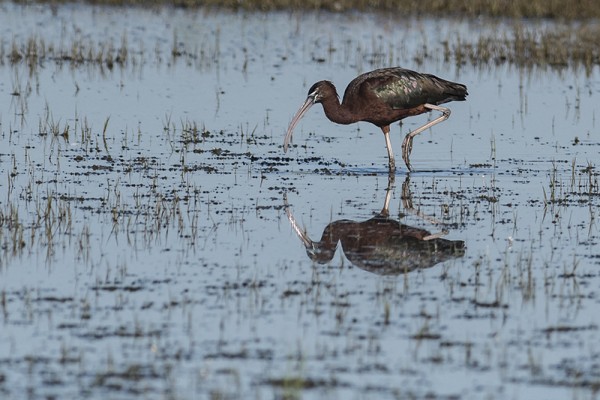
[[403, 89]]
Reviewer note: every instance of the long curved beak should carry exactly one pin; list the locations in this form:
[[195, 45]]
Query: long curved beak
[[310, 101]]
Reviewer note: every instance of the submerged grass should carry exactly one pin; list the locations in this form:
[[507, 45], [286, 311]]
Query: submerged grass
[[35, 50], [555, 47], [525, 45]]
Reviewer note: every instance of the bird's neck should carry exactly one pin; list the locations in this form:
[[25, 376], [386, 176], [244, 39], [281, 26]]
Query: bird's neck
[[338, 113]]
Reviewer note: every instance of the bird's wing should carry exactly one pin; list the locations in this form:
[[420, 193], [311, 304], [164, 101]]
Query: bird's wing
[[401, 89]]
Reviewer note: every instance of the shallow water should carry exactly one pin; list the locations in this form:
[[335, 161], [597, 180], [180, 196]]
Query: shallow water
[[146, 248]]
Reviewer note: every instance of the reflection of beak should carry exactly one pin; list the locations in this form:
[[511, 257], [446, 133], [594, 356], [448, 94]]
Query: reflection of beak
[[308, 244], [300, 232], [310, 101]]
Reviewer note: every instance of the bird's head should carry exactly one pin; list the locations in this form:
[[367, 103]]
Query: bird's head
[[316, 94], [320, 91]]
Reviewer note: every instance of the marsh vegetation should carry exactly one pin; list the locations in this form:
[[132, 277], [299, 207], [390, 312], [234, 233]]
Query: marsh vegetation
[[583, 9], [146, 248]]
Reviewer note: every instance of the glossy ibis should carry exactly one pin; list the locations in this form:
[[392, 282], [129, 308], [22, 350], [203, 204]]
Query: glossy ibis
[[381, 97]]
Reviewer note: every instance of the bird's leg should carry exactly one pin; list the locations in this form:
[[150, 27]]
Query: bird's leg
[[385, 211], [407, 143], [408, 206], [407, 194], [388, 145]]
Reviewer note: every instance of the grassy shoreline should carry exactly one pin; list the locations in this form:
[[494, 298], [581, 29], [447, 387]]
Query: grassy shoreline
[[551, 9]]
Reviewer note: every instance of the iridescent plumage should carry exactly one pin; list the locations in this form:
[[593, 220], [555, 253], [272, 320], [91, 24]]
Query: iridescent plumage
[[381, 97]]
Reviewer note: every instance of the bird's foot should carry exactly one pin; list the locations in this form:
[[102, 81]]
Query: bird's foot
[[406, 150]]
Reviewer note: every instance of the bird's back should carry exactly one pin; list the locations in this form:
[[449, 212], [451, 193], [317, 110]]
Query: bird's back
[[401, 88]]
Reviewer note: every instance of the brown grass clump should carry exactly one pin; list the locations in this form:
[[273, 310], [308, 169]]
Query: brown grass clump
[[559, 47]]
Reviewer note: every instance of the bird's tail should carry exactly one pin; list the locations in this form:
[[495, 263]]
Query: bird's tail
[[454, 91]]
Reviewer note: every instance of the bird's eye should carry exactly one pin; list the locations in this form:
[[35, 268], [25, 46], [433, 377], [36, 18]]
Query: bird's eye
[[316, 96]]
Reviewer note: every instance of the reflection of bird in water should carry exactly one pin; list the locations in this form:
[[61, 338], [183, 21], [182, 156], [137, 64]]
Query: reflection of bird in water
[[380, 245], [381, 97]]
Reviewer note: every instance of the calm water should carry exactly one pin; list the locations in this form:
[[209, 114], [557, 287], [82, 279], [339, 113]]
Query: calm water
[[146, 249]]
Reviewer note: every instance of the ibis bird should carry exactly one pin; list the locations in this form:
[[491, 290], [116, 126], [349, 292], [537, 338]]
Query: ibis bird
[[381, 97]]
